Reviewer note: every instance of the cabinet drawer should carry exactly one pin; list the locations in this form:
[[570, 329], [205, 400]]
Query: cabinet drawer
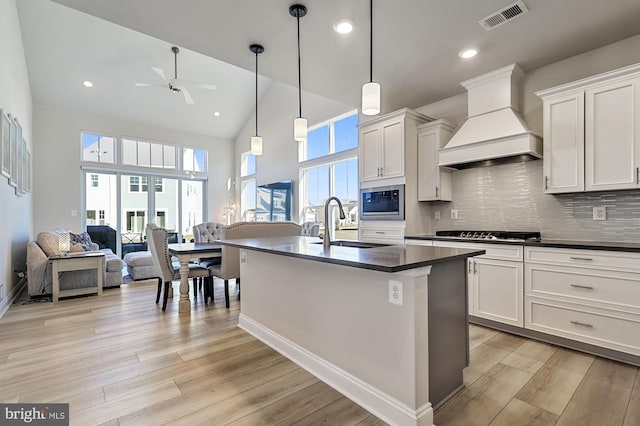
[[610, 329], [493, 251], [584, 258], [417, 242], [620, 290], [382, 234]]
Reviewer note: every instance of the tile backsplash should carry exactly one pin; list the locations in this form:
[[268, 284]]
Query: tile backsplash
[[511, 197]]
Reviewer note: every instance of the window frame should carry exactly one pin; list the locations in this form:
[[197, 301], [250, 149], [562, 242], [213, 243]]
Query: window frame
[[303, 148]]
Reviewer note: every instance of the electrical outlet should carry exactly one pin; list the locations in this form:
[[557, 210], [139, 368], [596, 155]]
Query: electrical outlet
[[436, 215], [395, 292], [74, 213], [454, 214], [600, 213]]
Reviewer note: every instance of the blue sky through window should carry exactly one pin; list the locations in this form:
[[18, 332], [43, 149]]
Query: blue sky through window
[[346, 133], [318, 142], [317, 185]]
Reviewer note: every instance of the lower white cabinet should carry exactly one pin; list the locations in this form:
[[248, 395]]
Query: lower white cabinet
[[381, 232], [495, 281], [418, 242], [585, 295]]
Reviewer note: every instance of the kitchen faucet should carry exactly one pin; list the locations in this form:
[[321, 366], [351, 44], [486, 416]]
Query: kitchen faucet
[[326, 240]]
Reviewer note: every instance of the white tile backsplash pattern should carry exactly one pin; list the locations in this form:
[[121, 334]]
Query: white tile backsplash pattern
[[510, 197]]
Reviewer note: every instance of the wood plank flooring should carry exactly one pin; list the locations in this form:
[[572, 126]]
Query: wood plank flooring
[[119, 360]]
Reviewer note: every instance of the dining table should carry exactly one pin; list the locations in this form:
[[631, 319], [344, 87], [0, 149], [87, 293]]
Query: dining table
[[186, 252]]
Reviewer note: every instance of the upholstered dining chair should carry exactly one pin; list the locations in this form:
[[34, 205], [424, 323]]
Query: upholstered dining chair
[[157, 240], [208, 232], [229, 267], [310, 229]]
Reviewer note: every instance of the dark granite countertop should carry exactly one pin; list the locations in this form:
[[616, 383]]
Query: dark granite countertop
[[544, 242], [392, 258]]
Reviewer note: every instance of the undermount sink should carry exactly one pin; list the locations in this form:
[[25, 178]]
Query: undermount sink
[[356, 244]]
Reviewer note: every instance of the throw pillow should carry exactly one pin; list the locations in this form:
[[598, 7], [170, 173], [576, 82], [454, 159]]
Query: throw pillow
[[76, 248], [83, 239], [49, 243]]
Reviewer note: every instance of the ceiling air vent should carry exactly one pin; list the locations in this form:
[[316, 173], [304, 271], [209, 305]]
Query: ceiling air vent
[[504, 15]]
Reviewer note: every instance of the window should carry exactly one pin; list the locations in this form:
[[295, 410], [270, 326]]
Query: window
[[148, 154], [98, 148], [248, 164], [194, 160], [134, 183], [337, 135], [329, 166], [94, 181], [91, 217], [248, 200]]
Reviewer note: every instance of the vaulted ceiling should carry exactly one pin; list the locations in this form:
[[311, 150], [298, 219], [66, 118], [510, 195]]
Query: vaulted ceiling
[[416, 45]]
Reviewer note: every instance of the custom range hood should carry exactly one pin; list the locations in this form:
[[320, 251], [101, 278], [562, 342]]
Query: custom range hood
[[494, 132]]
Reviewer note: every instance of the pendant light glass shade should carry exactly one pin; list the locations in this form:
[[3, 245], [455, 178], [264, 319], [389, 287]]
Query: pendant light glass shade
[[300, 123], [371, 90], [300, 129], [256, 145], [371, 98]]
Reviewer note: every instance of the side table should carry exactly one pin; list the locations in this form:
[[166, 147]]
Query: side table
[[76, 262]]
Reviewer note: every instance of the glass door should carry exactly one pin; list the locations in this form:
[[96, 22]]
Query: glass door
[[165, 201], [134, 209], [192, 206]]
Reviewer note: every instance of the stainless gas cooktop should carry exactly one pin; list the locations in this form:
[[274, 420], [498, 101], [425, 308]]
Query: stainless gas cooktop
[[490, 235]]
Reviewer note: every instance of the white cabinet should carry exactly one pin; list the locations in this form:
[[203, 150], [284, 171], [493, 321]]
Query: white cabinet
[[418, 242], [495, 281], [381, 232], [592, 133], [585, 295], [382, 144], [434, 182]]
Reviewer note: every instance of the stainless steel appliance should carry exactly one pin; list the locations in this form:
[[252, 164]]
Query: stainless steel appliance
[[382, 203], [490, 235]]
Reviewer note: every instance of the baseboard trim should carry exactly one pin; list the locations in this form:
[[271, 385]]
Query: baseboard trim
[[372, 399], [15, 293]]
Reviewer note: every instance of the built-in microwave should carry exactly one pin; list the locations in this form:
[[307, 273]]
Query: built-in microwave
[[382, 203]]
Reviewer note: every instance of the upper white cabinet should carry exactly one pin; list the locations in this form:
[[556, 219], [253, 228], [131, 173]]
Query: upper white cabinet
[[383, 144], [434, 183], [592, 133]]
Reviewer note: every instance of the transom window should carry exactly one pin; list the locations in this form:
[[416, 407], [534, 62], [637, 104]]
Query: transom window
[[98, 148], [148, 154], [333, 136]]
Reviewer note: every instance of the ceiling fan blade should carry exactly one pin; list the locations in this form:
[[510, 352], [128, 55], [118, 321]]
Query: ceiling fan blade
[[138, 84], [195, 84], [160, 72], [187, 97]]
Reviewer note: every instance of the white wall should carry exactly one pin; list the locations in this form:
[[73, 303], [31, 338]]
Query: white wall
[[277, 109], [15, 98], [57, 178]]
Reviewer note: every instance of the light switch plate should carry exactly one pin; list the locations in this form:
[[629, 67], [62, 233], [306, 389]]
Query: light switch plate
[[454, 214], [600, 213], [436, 215]]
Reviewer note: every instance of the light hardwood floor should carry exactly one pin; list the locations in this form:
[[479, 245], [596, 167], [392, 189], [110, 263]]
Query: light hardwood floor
[[119, 360]]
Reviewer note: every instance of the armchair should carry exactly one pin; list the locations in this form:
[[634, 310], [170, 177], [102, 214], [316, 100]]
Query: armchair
[[310, 229], [229, 267]]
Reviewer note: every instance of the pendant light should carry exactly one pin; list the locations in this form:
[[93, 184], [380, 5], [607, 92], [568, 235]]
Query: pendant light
[[256, 141], [371, 90], [300, 123]]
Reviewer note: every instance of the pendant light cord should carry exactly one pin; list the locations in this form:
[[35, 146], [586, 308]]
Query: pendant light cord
[[371, 40], [256, 93], [299, 73]]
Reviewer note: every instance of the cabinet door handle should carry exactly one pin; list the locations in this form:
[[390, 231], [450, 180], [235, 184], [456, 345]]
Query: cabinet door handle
[[380, 232], [588, 259], [436, 191], [638, 175], [546, 183], [469, 262], [475, 267], [583, 324], [586, 287]]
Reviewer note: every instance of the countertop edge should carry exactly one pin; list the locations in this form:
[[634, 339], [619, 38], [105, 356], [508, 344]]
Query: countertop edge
[[580, 245]]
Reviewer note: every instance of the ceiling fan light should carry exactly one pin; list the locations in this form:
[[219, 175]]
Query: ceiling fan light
[[371, 98], [300, 129], [256, 145]]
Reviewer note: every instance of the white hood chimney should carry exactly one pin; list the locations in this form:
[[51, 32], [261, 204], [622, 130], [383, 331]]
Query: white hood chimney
[[494, 132]]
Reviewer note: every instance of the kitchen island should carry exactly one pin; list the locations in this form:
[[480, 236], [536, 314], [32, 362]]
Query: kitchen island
[[384, 325]]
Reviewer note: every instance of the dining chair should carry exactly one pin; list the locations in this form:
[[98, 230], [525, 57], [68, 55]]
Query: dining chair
[[229, 267], [157, 240], [208, 232]]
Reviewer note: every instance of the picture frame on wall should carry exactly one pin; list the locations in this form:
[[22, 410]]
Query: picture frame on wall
[[27, 180], [5, 139], [13, 143], [21, 166]]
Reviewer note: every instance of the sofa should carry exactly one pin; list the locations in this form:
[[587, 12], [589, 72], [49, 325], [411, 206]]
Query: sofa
[[47, 244]]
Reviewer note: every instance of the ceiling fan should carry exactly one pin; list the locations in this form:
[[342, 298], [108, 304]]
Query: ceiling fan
[[177, 85]]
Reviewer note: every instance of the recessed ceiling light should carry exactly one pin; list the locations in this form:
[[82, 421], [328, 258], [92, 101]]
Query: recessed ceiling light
[[343, 26], [468, 53], [217, 114], [87, 83]]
